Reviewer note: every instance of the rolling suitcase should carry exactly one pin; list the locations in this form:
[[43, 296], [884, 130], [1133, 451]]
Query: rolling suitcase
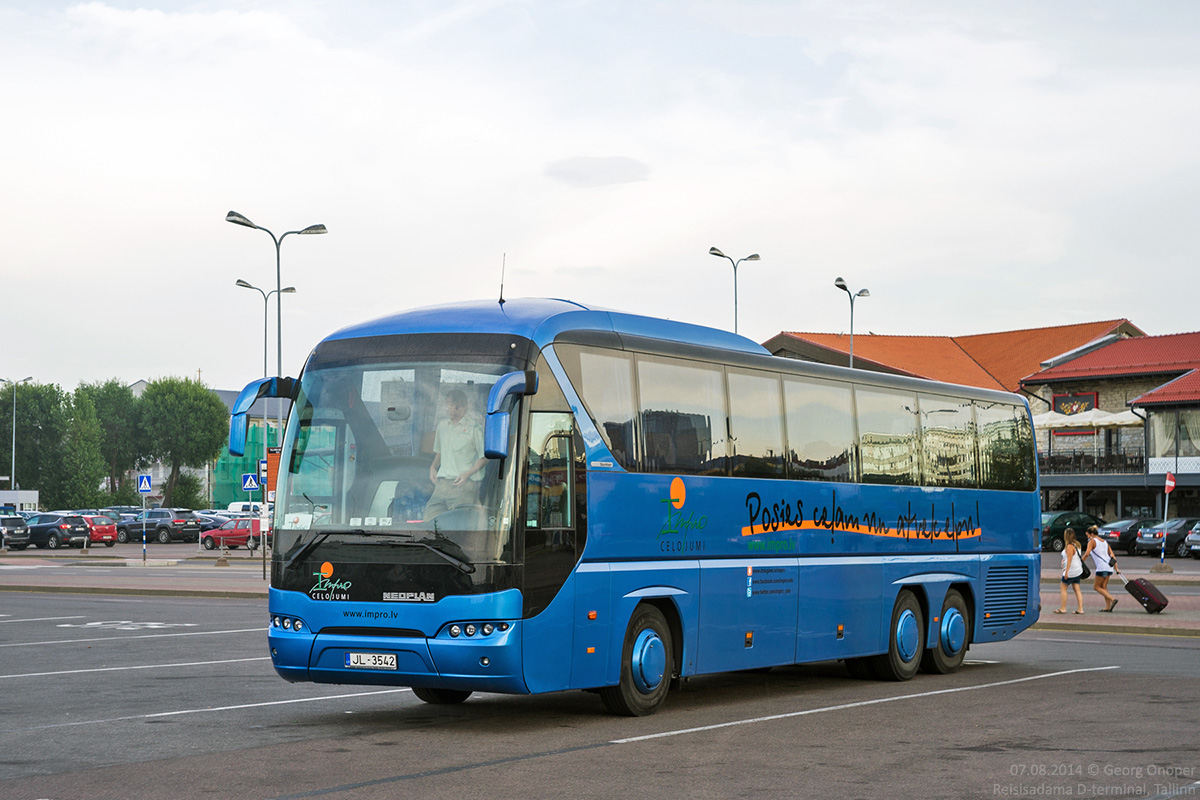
[[1146, 593]]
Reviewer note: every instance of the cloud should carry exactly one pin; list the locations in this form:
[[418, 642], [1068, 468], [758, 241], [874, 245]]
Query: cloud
[[584, 172]]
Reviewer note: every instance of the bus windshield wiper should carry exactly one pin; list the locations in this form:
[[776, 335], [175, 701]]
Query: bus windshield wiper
[[409, 539], [311, 545]]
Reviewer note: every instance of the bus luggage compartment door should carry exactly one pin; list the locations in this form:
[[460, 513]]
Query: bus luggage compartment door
[[749, 608]]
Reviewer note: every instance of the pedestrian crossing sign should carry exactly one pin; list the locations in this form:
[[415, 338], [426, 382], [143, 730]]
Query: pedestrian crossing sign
[[249, 482], [143, 484]]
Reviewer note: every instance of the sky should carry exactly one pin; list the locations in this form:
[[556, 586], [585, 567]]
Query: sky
[[979, 167]]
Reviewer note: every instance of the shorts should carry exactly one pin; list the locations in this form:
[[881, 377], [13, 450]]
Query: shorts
[[1103, 574], [1070, 581]]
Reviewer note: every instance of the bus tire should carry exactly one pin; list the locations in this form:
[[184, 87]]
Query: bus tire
[[440, 697], [954, 637], [647, 661], [906, 641]]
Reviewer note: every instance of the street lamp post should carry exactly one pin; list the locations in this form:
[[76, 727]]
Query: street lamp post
[[841, 284], [238, 219], [712, 251], [12, 474], [262, 511]]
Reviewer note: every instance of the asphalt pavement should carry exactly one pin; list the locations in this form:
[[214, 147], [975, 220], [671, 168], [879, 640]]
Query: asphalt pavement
[[180, 570]]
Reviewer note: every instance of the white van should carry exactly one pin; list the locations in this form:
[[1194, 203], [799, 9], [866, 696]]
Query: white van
[[249, 508]]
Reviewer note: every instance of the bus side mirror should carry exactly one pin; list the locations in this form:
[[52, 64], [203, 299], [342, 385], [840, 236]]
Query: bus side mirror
[[239, 417], [497, 422]]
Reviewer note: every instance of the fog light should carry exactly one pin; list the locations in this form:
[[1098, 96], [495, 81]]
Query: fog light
[[488, 628], [298, 625], [471, 629], [455, 631], [483, 662]]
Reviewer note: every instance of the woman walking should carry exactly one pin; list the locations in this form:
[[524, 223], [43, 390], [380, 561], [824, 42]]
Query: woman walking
[[1072, 568], [1106, 563]]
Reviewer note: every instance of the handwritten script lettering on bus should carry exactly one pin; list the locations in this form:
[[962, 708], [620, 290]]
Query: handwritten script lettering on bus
[[788, 515]]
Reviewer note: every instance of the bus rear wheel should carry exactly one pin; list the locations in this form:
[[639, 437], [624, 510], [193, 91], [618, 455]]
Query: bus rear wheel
[[954, 636], [441, 697], [647, 660], [906, 641]]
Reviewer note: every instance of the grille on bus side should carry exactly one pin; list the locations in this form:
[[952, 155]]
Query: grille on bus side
[[1006, 596]]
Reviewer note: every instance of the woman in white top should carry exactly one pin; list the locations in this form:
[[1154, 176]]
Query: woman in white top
[[1072, 569], [1106, 563]]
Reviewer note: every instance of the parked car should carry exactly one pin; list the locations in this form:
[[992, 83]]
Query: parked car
[[233, 534], [53, 530], [210, 521], [162, 525], [1174, 531], [1122, 534], [257, 540], [14, 532], [1193, 541], [1055, 523], [101, 528]]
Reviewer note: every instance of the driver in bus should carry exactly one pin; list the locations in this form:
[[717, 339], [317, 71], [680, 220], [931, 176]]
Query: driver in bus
[[458, 458]]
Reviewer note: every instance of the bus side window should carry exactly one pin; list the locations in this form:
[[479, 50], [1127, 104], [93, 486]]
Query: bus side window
[[683, 415]]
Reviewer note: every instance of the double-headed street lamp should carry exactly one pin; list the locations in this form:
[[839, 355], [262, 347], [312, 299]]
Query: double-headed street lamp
[[841, 284], [712, 251], [238, 219], [12, 475]]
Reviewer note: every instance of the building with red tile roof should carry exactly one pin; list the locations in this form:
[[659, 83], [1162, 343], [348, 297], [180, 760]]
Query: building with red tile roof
[[987, 360]]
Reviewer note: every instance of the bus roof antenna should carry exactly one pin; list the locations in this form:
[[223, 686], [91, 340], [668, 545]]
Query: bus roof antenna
[[503, 258]]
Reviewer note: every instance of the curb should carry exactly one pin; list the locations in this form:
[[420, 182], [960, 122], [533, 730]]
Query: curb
[[1126, 629], [116, 590]]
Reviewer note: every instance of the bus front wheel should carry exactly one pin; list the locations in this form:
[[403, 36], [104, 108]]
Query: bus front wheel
[[954, 636], [440, 697], [647, 661], [906, 641]]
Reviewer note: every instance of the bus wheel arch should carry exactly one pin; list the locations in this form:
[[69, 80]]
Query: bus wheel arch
[[648, 663], [906, 640]]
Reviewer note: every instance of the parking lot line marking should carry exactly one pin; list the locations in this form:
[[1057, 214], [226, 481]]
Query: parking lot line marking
[[40, 619], [858, 704], [136, 666], [260, 629], [182, 712]]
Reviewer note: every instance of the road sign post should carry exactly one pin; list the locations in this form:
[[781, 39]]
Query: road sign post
[[144, 487], [1168, 487]]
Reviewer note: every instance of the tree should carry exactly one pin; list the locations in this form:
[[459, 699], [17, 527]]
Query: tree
[[185, 425], [42, 416], [121, 441], [83, 465]]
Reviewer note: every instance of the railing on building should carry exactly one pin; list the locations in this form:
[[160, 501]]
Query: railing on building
[[1081, 462]]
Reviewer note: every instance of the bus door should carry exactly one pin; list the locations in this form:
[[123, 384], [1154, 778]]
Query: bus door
[[552, 546]]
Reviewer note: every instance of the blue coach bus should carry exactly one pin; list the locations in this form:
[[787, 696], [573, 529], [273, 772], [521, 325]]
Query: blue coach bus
[[651, 500]]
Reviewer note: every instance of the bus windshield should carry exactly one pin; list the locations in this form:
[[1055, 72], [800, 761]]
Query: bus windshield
[[390, 456]]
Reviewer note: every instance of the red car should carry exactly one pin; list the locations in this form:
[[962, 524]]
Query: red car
[[101, 529], [233, 534]]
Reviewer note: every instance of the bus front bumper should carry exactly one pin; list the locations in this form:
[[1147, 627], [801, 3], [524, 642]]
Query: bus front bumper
[[484, 663]]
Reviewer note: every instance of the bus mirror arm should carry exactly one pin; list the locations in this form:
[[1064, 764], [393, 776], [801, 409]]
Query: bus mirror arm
[[496, 424], [239, 417]]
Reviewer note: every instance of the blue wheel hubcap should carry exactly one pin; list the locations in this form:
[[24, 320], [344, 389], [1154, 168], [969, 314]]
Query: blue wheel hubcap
[[908, 635], [954, 631], [649, 661]]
